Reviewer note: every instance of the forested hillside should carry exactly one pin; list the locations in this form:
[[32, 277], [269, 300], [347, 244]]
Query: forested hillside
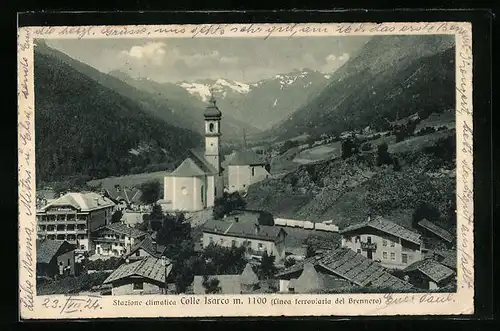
[[390, 78], [84, 129], [349, 190]]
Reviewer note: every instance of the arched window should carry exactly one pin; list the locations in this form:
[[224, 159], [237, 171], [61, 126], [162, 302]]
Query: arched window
[[211, 127]]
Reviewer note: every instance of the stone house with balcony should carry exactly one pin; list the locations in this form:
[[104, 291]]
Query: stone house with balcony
[[243, 230], [115, 239], [391, 244], [73, 216]]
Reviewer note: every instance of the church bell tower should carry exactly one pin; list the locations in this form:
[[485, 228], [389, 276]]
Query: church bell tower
[[213, 116]]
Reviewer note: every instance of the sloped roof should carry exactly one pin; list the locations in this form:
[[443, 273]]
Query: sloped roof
[[129, 195], [123, 229], [437, 230], [449, 258], [352, 267], [309, 280], [247, 157], [386, 226], [84, 201], [47, 249], [229, 284], [432, 269], [199, 158], [243, 228], [187, 168], [149, 267], [248, 276], [148, 245]]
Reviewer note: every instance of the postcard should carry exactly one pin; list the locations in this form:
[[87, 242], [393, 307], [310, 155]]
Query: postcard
[[245, 170]]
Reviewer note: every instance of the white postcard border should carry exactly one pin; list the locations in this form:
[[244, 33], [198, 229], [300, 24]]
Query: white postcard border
[[58, 307]]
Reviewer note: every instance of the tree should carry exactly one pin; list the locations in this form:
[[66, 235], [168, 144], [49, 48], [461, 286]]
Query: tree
[[383, 156], [366, 147], [310, 250], [227, 203], [211, 285], [288, 145], [156, 213], [349, 147], [290, 262], [396, 166], [150, 191], [117, 216], [265, 218], [427, 211], [223, 260], [267, 268]]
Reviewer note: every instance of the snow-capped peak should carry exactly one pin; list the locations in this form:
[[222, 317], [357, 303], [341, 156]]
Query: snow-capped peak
[[235, 86], [200, 90]]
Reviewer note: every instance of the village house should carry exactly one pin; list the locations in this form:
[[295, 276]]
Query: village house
[[145, 248], [73, 217], [243, 230], [246, 168], [115, 239], [393, 245], [433, 231], [338, 269], [429, 274], [244, 283], [54, 258], [146, 276]]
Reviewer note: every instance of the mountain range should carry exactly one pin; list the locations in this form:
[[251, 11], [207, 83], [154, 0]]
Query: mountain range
[[253, 107], [388, 79], [265, 103], [86, 129]]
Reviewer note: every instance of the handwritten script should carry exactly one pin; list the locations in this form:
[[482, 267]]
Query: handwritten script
[[430, 298], [465, 194], [259, 30], [73, 304]]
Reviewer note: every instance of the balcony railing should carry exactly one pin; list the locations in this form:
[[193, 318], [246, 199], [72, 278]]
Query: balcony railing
[[256, 252], [368, 246]]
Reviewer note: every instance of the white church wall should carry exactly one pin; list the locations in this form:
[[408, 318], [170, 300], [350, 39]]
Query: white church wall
[[168, 189], [183, 193], [210, 191]]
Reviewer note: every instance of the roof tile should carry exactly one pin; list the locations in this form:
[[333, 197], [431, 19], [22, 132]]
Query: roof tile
[[389, 227]]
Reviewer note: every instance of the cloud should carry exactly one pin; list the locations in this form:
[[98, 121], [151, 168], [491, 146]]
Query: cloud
[[344, 57], [151, 52], [331, 57], [333, 62]]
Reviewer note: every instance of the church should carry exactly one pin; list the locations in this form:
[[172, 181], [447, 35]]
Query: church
[[198, 180]]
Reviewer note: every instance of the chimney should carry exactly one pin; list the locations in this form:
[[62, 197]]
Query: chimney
[[155, 246]]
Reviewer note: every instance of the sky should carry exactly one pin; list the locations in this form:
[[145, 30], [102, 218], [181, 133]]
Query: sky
[[189, 59]]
